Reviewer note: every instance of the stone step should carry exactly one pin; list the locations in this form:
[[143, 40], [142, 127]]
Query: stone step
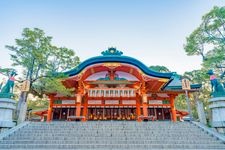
[[115, 141], [119, 130], [110, 127], [111, 146], [114, 125], [110, 135], [89, 123], [102, 129], [112, 131], [108, 138], [128, 128]]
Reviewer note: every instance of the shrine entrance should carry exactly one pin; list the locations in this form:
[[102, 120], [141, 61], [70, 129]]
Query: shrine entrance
[[160, 113], [62, 113], [112, 113], [122, 113]]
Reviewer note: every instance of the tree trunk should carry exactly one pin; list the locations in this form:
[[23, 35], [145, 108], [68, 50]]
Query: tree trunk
[[21, 107]]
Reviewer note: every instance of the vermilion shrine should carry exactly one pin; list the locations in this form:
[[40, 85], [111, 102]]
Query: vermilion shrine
[[117, 87]]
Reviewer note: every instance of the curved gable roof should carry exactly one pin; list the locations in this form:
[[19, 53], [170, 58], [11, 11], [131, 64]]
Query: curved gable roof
[[113, 55]]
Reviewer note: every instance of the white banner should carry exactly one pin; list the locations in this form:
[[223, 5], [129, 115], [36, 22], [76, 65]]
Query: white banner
[[68, 102], [94, 102], [155, 102], [112, 102], [129, 102]]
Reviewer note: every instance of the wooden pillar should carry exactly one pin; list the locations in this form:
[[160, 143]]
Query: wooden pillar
[[138, 108], [78, 105], [145, 109], [78, 109], [49, 116], [145, 104], [85, 108], [173, 110]]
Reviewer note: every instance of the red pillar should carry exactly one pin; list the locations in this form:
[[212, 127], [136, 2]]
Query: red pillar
[[78, 105], [85, 108], [145, 104], [49, 116], [138, 108], [173, 110], [78, 109], [145, 109]]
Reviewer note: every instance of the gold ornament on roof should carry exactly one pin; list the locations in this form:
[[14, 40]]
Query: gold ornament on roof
[[111, 65]]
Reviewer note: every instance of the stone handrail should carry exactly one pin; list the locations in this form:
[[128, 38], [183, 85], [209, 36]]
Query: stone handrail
[[12, 130], [209, 131]]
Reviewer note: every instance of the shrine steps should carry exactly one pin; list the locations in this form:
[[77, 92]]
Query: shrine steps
[[110, 135]]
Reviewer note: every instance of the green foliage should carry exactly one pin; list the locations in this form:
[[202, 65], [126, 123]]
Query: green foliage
[[41, 61], [214, 25], [6, 71], [31, 49], [215, 58], [38, 104], [158, 68], [195, 43], [180, 102], [197, 76], [50, 85], [208, 40]]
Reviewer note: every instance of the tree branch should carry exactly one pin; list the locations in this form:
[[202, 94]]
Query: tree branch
[[40, 78], [37, 72], [220, 33]]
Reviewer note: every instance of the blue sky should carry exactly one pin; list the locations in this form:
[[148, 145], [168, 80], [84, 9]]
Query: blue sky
[[153, 31]]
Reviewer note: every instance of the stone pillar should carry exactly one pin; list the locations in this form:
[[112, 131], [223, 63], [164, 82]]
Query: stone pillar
[[201, 113], [22, 107], [217, 105], [173, 110], [7, 106], [49, 116]]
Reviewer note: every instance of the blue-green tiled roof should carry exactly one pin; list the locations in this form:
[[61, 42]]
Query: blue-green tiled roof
[[113, 55]]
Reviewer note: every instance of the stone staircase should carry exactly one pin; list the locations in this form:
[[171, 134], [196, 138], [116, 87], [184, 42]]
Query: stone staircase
[[110, 135]]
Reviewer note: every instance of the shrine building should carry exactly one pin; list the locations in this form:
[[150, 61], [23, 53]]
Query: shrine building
[[117, 87]]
